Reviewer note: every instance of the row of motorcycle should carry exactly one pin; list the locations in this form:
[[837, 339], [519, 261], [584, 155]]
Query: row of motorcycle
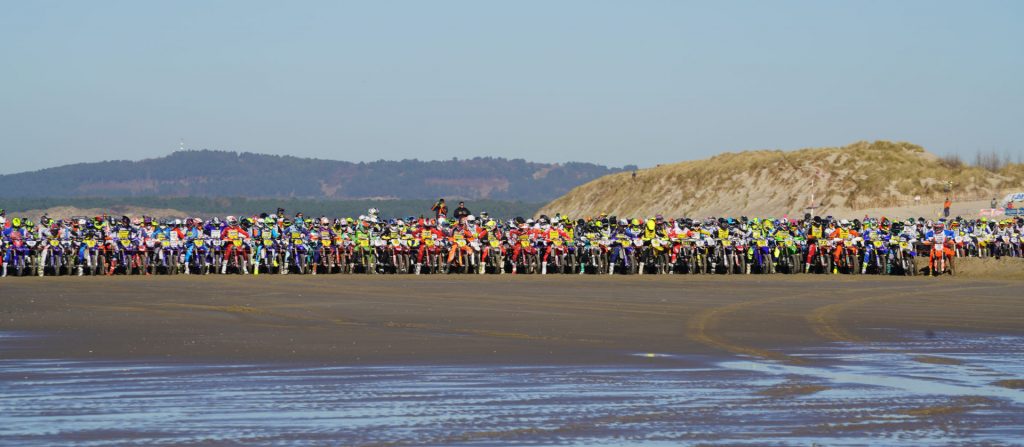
[[524, 255]]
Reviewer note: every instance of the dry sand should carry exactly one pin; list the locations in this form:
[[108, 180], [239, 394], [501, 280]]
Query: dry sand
[[485, 320]]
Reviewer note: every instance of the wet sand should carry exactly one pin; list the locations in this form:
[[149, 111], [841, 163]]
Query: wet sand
[[556, 320]]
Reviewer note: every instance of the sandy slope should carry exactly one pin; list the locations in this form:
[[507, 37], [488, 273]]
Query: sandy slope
[[776, 183]]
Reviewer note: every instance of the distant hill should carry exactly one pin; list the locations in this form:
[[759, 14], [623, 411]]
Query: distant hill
[[860, 176], [207, 173]]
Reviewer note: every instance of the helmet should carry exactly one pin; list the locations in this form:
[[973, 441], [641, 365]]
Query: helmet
[[491, 224], [16, 222], [215, 221], [471, 218], [651, 224], [232, 220], [635, 222], [373, 211], [177, 222]]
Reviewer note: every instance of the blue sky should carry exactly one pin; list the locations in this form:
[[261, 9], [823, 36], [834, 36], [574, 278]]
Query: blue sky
[[613, 82]]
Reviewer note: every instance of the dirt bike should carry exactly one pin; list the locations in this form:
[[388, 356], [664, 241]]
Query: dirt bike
[[759, 257], [876, 257], [902, 256], [365, 254], [940, 260], [657, 256], [527, 260], [494, 255], [556, 258]]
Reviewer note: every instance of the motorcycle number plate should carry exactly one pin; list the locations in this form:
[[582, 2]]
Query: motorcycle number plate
[[165, 243], [238, 243], [904, 245], [524, 243], [151, 244], [325, 242], [216, 242], [878, 243], [557, 242], [495, 244], [199, 242], [267, 241], [215, 234], [762, 243], [30, 243], [462, 242], [90, 244], [364, 242], [126, 243], [54, 242]]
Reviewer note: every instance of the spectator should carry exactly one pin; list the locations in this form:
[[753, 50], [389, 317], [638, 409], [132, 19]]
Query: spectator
[[993, 206], [945, 207], [461, 212], [440, 209]]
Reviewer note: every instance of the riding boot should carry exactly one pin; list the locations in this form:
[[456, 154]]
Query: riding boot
[[748, 269], [245, 267], [186, 270], [223, 267], [640, 271], [4, 274], [79, 271], [418, 266], [544, 269], [480, 268]]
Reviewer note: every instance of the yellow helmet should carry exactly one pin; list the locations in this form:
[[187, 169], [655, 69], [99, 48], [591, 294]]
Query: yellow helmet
[[635, 222], [650, 224], [16, 222]]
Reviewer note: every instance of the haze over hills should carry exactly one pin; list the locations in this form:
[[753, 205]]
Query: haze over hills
[[860, 176], [207, 173]]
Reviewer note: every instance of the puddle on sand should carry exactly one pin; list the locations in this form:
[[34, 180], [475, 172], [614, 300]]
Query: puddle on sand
[[48, 402]]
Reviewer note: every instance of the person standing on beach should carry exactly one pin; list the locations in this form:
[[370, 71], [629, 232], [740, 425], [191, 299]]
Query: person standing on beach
[[440, 210], [945, 207]]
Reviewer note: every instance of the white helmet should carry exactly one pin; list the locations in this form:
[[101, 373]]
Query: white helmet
[[470, 218], [374, 211]]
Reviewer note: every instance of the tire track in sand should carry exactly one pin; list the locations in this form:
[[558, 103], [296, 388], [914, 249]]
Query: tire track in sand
[[825, 323], [700, 328]]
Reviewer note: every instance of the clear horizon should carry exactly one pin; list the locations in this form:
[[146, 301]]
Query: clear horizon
[[611, 83]]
